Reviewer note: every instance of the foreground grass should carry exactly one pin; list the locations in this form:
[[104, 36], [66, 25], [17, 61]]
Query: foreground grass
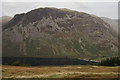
[[59, 72]]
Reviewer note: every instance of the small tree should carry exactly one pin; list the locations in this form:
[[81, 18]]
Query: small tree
[[16, 63], [113, 61]]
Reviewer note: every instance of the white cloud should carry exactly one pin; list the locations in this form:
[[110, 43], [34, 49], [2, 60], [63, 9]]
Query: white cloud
[[0, 11], [60, 0]]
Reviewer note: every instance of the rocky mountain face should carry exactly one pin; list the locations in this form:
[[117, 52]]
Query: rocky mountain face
[[51, 32]]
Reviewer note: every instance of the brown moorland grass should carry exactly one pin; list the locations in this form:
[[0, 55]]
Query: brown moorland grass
[[78, 71]]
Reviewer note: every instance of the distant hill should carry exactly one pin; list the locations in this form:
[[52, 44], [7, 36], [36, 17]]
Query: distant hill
[[5, 19], [113, 22], [58, 32]]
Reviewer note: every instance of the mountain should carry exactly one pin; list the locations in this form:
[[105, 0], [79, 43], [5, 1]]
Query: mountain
[[113, 22], [5, 19], [52, 32]]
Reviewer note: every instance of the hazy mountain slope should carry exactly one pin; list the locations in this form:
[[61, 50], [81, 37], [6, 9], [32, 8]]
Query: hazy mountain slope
[[58, 32], [113, 22], [5, 19]]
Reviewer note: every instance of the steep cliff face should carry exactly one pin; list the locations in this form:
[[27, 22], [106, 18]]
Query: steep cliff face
[[58, 32]]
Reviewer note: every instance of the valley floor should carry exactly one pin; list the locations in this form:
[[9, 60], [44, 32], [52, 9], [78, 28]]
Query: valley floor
[[59, 72]]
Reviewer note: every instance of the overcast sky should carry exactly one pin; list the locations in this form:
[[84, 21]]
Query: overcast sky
[[101, 9]]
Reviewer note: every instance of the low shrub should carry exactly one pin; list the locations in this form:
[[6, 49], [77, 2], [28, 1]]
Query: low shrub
[[16, 63]]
